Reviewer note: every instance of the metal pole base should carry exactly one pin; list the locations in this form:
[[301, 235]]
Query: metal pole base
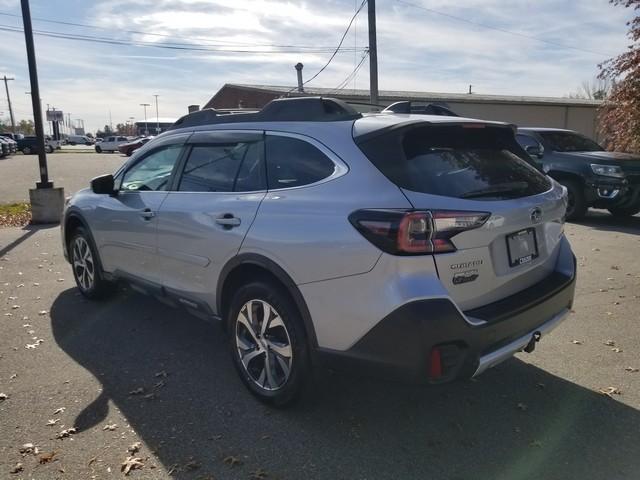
[[46, 204], [44, 184]]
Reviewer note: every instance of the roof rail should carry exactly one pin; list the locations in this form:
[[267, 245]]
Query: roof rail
[[297, 109], [428, 109]]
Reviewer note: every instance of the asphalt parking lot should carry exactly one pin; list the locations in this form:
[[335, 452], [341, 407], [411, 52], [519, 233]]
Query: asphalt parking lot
[[69, 168], [131, 370]]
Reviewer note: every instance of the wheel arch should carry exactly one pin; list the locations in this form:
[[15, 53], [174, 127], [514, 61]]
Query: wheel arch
[[246, 266], [72, 221]]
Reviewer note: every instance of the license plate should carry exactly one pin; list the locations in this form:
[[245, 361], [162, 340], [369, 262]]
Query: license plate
[[522, 247]]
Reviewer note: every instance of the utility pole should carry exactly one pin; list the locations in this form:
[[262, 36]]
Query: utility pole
[[157, 119], [146, 127], [373, 53], [13, 120], [35, 95]]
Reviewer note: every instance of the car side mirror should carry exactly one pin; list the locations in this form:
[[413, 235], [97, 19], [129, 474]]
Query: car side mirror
[[104, 184], [534, 151]]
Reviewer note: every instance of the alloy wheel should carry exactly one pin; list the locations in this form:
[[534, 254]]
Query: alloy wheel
[[263, 345], [83, 264]]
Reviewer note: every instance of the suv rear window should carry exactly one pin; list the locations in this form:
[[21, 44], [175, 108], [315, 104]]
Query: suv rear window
[[472, 161]]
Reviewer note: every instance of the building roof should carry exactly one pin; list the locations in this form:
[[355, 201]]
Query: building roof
[[151, 120], [397, 95]]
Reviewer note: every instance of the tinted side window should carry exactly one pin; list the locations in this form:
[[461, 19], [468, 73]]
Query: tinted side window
[[292, 162], [153, 172], [224, 168], [527, 141]]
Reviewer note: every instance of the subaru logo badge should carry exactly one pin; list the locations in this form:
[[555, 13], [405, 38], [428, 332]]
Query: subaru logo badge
[[536, 215]]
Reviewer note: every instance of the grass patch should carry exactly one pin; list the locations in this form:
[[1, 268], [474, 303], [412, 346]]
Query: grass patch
[[15, 214]]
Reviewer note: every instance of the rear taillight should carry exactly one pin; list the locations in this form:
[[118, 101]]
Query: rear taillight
[[415, 232]]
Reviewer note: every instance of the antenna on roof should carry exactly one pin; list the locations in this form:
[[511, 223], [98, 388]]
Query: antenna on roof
[[299, 66]]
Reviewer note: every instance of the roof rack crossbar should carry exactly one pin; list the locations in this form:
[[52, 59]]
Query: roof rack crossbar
[[407, 106], [297, 109]]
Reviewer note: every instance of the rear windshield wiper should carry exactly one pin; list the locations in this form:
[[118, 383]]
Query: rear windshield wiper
[[508, 187]]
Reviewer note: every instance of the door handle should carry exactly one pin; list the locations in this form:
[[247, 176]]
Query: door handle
[[228, 220], [147, 214]]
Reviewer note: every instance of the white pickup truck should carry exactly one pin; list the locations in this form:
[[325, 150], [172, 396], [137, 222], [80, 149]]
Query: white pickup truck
[[110, 144]]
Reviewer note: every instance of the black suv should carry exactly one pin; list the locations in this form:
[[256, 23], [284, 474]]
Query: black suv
[[593, 177], [29, 145]]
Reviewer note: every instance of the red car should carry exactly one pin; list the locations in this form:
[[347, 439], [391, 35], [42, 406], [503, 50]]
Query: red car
[[129, 147]]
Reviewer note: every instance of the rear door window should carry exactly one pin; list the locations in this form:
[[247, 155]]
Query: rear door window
[[292, 162], [474, 161]]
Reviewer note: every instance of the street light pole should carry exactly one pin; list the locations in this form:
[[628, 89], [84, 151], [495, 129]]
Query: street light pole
[[157, 119], [13, 121], [146, 127], [373, 53], [35, 95]]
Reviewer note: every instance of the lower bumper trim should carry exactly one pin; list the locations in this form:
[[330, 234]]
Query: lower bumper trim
[[507, 351]]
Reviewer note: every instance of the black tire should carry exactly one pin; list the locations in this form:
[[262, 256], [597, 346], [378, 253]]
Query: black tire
[[290, 336], [98, 287], [48, 149], [577, 206], [26, 150], [624, 212]]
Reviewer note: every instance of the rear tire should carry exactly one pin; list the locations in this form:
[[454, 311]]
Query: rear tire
[[624, 212], [577, 206], [98, 150], [86, 267], [26, 150], [273, 359], [48, 149]]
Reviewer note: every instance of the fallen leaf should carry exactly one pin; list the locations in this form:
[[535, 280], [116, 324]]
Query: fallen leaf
[[610, 343], [131, 463], [615, 267], [91, 461], [616, 350], [536, 444], [15, 375], [29, 449], [522, 406], [259, 474], [17, 468], [160, 384], [134, 447], [15, 307], [110, 426], [541, 385], [61, 279], [232, 461], [66, 433], [631, 369], [149, 396], [576, 342], [610, 391], [161, 374], [46, 457], [59, 410], [42, 312], [52, 422], [3, 396], [137, 391]]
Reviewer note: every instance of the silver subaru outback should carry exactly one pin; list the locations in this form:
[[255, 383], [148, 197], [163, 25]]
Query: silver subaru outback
[[420, 248]]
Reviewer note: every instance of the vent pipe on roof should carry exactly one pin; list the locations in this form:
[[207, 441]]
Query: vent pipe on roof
[[299, 68]]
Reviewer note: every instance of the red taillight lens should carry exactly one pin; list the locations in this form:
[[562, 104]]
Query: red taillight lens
[[403, 232]]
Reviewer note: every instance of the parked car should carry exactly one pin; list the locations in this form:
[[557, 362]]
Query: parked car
[[99, 139], [129, 147], [593, 177], [79, 140], [414, 247], [111, 144], [13, 145], [29, 145], [5, 147]]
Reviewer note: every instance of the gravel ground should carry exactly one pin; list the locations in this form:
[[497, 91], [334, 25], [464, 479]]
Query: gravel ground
[[131, 370], [72, 171]]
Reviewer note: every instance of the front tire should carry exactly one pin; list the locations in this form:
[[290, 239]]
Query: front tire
[[86, 267], [268, 343], [577, 205], [624, 212], [48, 149], [98, 150]]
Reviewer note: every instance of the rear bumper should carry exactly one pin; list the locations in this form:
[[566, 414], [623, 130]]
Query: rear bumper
[[400, 346]]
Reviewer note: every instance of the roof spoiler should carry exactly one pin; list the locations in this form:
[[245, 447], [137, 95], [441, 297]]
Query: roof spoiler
[[298, 109], [428, 109]]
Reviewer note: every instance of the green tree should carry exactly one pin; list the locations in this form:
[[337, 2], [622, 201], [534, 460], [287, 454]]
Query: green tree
[[26, 127], [620, 114]]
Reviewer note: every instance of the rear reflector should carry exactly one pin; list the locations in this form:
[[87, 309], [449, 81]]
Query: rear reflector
[[415, 232], [435, 364]]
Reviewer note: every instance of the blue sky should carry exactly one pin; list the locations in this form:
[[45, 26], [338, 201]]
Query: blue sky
[[418, 49]]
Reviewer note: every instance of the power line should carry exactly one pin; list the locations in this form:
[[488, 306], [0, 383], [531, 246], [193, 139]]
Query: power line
[[216, 42], [337, 48], [498, 29], [114, 41], [352, 75]]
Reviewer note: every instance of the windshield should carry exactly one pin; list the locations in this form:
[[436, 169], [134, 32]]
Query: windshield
[[569, 142], [453, 161]]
